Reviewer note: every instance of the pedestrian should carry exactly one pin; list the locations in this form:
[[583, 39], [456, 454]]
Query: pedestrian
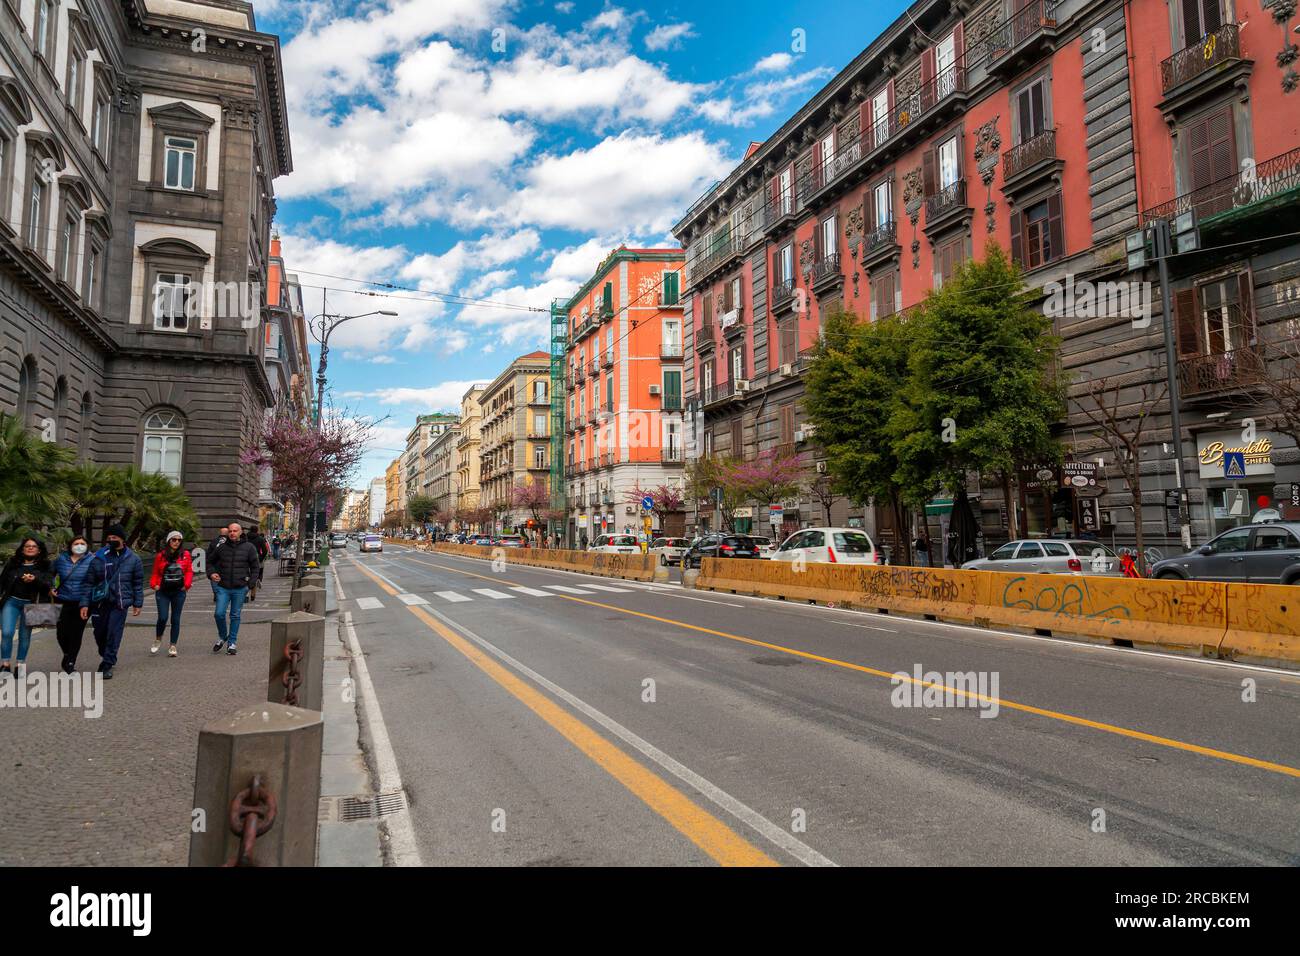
[[210, 555], [173, 573], [258, 540], [275, 547], [26, 576], [922, 548], [124, 575], [233, 570], [78, 575]]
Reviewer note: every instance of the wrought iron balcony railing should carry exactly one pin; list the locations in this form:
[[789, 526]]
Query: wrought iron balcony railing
[[1016, 30], [705, 337], [672, 403], [1029, 153], [826, 268], [670, 350], [945, 200], [782, 294], [1222, 371], [719, 393], [1275, 179], [671, 455], [885, 234], [1211, 50]]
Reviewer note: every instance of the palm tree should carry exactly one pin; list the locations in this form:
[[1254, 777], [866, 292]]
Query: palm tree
[[94, 490], [151, 503], [32, 492]]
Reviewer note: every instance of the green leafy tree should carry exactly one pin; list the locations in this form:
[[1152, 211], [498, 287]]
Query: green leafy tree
[[33, 495], [714, 478], [421, 508]]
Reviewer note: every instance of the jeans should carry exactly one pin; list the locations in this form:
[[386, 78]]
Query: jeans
[[11, 618], [109, 623], [232, 599], [169, 601], [70, 631], [923, 559]]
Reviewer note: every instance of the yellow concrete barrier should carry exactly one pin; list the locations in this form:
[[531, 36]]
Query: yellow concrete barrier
[[1263, 623], [630, 567]]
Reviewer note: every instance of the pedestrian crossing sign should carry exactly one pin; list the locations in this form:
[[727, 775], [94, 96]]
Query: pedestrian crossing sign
[[1234, 464]]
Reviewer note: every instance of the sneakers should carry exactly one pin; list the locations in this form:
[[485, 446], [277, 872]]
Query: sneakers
[[108, 673], [171, 650], [157, 643], [216, 648], [231, 650], [20, 670]]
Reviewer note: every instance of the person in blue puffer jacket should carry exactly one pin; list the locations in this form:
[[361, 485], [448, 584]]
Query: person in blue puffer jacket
[[124, 573], [77, 573]]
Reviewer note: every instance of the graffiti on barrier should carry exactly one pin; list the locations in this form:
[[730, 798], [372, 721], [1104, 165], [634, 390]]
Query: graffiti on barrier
[[916, 584], [1064, 600]]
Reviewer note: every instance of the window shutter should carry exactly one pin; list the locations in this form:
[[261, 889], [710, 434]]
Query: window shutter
[[961, 155], [927, 78], [1191, 21], [774, 189], [817, 161], [1037, 109], [930, 171], [1018, 237], [787, 424], [1246, 298], [1187, 321], [1055, 232], [867, 134], [1198, 150], [869, 211], [1222, 145], [959, 48]]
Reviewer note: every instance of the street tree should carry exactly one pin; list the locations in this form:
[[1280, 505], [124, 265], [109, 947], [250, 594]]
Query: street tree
[[713, 477], [533, 497], [31, 497], [420, 508]]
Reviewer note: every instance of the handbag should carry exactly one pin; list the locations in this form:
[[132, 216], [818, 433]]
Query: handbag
[[41, 615]]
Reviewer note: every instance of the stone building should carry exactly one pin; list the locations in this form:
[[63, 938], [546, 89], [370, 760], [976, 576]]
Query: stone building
[[515, 434], [467, 450]]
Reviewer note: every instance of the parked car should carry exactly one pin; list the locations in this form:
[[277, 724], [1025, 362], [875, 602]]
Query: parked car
[[1267, 553], [481, 540], [668, 551], [829, 545], [511, 541], [766, 546], [616, 544], [1050, 556], [371, 542], [338, 540], [719, 545]]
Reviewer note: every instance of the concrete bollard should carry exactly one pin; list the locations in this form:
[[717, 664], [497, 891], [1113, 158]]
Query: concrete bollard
[[315, 579], [280, 746], [310, 599], [689, 577], [661, 572], [310, 629]]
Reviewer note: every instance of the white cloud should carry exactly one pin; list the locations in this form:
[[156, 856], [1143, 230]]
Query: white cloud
[[372, 359], [443, 397], [666, 35], [442, 273], [760, 99], [565, 6], [774, 63]]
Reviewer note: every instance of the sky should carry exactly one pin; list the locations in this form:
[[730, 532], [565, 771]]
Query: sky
[[483, 156]]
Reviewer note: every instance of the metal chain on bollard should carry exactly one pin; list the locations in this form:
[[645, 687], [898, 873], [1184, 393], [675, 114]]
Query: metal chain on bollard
[[291, 679], [252, 814]]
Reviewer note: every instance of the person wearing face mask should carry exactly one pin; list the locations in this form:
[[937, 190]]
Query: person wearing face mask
[[124, 574], [173, 573], [78, 573], [26, 576]]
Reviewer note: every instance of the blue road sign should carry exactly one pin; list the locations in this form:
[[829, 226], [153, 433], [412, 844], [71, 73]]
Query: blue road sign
[[648, 503], [1234, 464]]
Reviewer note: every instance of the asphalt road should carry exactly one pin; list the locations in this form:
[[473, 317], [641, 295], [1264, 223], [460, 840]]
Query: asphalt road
[[542, 717]]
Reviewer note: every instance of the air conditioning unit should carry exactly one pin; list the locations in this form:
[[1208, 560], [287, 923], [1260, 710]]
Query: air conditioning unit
[[787, 369], [821, 467], [631, 510], [656, 389], [742, 385], [809, 431]]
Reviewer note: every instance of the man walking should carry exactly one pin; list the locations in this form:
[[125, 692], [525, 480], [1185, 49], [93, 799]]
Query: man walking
[[124, 575], [232, 568], [217, 542]]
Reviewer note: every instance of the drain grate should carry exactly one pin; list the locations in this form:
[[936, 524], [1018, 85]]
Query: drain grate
[[345, 809]]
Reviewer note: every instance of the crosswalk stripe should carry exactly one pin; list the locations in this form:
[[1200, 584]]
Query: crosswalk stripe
[[606, 587], [532, 592], [411, 599], [495, 595], [568, 590], [452, 596], [369, 603]]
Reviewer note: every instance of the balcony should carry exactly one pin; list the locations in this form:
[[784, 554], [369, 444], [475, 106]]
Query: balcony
[[1244, 206], [782, 297], [880, 245], [608, 361], [593, 416], [579, 374], [706, 336], [733, 322], [718, 394], [593, 369], [719, 254], [671, 456], [541, 401], [826, 274], [945, 207], [670, 351], [607, 459], [1213, 374], [1213, 50], [1022, 159], [534, 435], [1021, 38], [671, 403], [584, 327], [667, 302]]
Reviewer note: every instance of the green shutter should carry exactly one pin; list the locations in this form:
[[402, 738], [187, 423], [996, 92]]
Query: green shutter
[[672, 389], [607, 300], [671, 288]]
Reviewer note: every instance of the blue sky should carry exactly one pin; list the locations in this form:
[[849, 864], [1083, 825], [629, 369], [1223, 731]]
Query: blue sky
[[497, 150]]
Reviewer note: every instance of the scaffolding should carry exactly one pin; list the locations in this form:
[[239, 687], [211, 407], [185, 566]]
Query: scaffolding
[[559, 345]]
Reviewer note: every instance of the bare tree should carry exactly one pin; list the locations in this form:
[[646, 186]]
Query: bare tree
[[1122, 433]]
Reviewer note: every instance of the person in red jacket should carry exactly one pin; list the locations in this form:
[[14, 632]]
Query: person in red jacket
[[173, 573]]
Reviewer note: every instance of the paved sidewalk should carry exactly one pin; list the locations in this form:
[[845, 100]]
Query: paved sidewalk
[[118, 790]]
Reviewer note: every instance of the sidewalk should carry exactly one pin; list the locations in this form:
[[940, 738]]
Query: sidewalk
[[118, 789]]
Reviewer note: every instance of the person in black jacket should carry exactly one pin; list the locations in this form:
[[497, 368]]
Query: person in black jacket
[[233, 569], [25, 578], [124, 575]]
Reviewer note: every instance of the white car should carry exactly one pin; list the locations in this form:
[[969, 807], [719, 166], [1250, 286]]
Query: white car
[[371, 542], [766, 549], [616, 544], [829, 545], [669, 550]]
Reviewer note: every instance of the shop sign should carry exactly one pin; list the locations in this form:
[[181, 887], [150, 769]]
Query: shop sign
[[1211, 448]]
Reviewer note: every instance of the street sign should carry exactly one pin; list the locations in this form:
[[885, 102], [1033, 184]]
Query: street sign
[[1295, 494], [648, 503], [1235, 501], [1234, 464], [776, 513]]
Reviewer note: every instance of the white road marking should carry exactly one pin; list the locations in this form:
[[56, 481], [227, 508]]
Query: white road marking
[[411, 599], [568, 590], [369, 603], [795, 847], [532, 592], [606, 587], [495, 595], [452, 596]]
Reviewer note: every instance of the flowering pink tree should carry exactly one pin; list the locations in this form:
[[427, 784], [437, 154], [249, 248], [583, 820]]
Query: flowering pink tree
[[533, 497], [665, 499], [307, 462], [770, 477]]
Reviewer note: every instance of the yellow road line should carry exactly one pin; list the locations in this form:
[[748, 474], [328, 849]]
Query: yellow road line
[[1000, 701], [699, 826]]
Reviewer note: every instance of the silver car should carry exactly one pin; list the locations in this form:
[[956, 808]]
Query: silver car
[[1050, 556]]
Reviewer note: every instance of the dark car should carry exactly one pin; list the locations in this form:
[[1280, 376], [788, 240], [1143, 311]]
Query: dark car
[[1267, 553], [721, 546]]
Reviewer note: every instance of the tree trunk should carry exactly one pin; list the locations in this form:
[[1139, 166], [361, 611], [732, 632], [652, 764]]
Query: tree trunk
[[1012, 531], [1135, 486]]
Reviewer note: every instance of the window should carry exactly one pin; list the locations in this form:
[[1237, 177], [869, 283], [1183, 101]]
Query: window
[[179, 162], [1031, 110], [948, 165], [945, 62], [99, 122], [785, 263], [737, 438], [1037, 236], [880, 116], [1216, 317], [45, 28], [706, 376], [539, 390], [1029, 550], [539, 456], [948, 258], [164, 440], [786, 193], [609, 392], [1210, 144], [672, 390], [172, 301], [1231, 542], [672, 288], [28, 383], [87, 417], [76, 77], [787, 424], [737, 363], [1199, 19], [673, 334], [539, 423], [6, 170], [827, 147], [36, 204], [1003, 553], [68, 244], [882, 203], [828, 243], [1275, 539], [60, 406], [882, 295]]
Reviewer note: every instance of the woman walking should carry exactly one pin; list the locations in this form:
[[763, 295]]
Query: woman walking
[[77, 574], [26, 576], [173, 573]]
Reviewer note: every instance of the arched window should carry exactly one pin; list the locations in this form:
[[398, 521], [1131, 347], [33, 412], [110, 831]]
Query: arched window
[[60, 407], [164, 441], [83, 431], [28, 382]]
